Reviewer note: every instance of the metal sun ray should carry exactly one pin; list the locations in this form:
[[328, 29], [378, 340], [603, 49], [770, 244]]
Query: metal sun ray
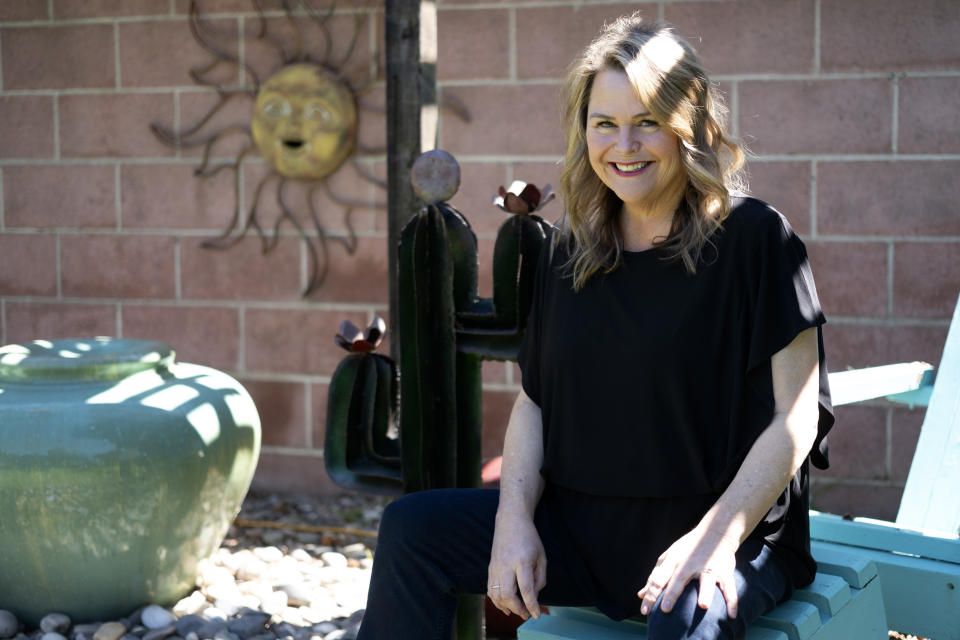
[[242, 223]]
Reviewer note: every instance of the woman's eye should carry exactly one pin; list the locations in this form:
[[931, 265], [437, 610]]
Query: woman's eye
[[605, 124], [648, 124]]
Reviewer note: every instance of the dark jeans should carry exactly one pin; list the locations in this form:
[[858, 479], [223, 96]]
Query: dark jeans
[[435, 545]]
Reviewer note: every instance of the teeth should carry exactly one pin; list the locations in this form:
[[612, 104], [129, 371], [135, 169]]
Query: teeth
[[628, 168]]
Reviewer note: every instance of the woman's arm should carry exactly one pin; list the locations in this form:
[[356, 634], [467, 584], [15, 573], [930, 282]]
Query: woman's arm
[[707, 552], [517, 560]]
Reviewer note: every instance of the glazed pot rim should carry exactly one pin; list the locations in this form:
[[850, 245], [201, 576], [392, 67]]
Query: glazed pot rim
[[81, 359]]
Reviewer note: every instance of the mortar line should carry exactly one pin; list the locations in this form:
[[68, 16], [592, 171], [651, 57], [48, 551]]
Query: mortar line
[[2, 207], [308, 413], [303, 266], [187, 233], [50, 10], [177, 287], [3, 321], [118, 206], [56, 127], [110, 91], [493, 158], [176, 120], [507, 82], [816, 36], [1, 60], [895, 124], [813, 198], [266, 376], [173, 7], [501, 386], [734, 109], [512, 43], [241, 338], [890, 322], [293, 451], [241, 49], [116, 56], [890, 259], [345, 307], [119, 320], [889, 448], [849, 482], [59, 269]]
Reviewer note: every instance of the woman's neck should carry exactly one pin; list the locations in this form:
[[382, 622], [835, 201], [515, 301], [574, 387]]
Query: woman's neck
[[641, 229]]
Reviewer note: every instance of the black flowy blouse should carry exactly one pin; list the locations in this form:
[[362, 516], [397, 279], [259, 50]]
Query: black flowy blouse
[[653, 385]]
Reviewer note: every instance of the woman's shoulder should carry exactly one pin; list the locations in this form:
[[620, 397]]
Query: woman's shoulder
[[749, 210], [754, 217]]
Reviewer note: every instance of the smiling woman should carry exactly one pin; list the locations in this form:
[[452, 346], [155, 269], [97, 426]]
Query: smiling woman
[[665, 476]]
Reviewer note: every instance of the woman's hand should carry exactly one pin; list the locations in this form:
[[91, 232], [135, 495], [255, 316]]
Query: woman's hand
[[517, 563], [694, 556]]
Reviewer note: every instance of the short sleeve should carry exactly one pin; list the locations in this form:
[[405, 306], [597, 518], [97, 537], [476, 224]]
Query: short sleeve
[[528, 357], [784, 304]]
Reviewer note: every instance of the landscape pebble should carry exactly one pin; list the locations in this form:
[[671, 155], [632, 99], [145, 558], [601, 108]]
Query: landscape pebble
[[55, 623], [263, 583], [108, 631], [156, 617], [8, 624]]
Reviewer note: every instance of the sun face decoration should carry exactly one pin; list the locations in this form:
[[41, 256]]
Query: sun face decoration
[[304, 123]]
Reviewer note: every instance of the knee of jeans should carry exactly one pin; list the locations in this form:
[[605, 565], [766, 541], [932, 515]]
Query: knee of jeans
[[687, 620], [404, 521]]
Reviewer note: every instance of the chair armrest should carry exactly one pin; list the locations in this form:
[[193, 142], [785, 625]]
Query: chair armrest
[[908, 382]]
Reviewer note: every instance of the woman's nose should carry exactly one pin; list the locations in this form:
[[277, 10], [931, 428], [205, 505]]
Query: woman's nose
[[627, 141]]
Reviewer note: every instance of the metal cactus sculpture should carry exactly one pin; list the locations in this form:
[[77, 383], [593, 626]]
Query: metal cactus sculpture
[[445, 332], [360, 410]]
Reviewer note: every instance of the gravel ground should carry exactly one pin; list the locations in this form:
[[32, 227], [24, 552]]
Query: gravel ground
[[292, 567]]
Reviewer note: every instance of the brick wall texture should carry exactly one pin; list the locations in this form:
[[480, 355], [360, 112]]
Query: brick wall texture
[[848, 106]]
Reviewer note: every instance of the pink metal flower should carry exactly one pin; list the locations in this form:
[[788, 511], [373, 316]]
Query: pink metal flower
[[351, 338], [523, 198]]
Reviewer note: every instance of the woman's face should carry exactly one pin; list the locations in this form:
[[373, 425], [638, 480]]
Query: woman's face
[[632, 153]]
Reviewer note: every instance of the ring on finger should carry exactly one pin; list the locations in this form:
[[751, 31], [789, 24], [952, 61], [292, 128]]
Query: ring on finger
[[493, 586]]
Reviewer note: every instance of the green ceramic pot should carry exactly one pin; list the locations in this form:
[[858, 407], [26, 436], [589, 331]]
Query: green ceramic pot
[[119, 471]]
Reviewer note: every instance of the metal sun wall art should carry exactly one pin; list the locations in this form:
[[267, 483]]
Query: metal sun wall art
[[304, 124]]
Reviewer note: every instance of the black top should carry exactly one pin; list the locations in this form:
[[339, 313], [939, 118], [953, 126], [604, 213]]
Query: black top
[[654, 384]]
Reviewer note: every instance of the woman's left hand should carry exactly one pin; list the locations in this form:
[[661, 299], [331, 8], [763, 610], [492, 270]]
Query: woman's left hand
[[694, 556]]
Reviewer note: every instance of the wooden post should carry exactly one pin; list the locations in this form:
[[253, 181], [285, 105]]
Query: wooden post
[[403, 136]]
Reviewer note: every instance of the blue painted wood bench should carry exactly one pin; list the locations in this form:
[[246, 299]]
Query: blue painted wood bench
[[873, 575]]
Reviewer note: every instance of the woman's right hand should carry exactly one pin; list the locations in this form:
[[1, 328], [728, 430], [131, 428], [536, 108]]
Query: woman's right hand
[[518, 566]]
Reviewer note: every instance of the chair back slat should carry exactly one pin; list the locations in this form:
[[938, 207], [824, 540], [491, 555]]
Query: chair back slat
[[931, 498]]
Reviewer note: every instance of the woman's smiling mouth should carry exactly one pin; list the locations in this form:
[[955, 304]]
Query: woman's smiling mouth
[[631, 169]]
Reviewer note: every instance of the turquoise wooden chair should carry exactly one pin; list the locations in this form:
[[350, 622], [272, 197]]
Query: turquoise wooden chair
[[873, 575], [918, 555]]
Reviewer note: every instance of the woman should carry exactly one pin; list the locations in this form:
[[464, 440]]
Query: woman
[[674, 385]]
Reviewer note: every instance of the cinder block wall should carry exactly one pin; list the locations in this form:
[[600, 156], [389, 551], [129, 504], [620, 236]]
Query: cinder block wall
[[849, 107]]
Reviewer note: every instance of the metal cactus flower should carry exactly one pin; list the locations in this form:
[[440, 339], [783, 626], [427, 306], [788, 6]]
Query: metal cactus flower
[[523, 198]]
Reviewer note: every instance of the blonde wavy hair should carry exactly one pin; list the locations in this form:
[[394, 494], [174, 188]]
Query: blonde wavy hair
[[673, 85]]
